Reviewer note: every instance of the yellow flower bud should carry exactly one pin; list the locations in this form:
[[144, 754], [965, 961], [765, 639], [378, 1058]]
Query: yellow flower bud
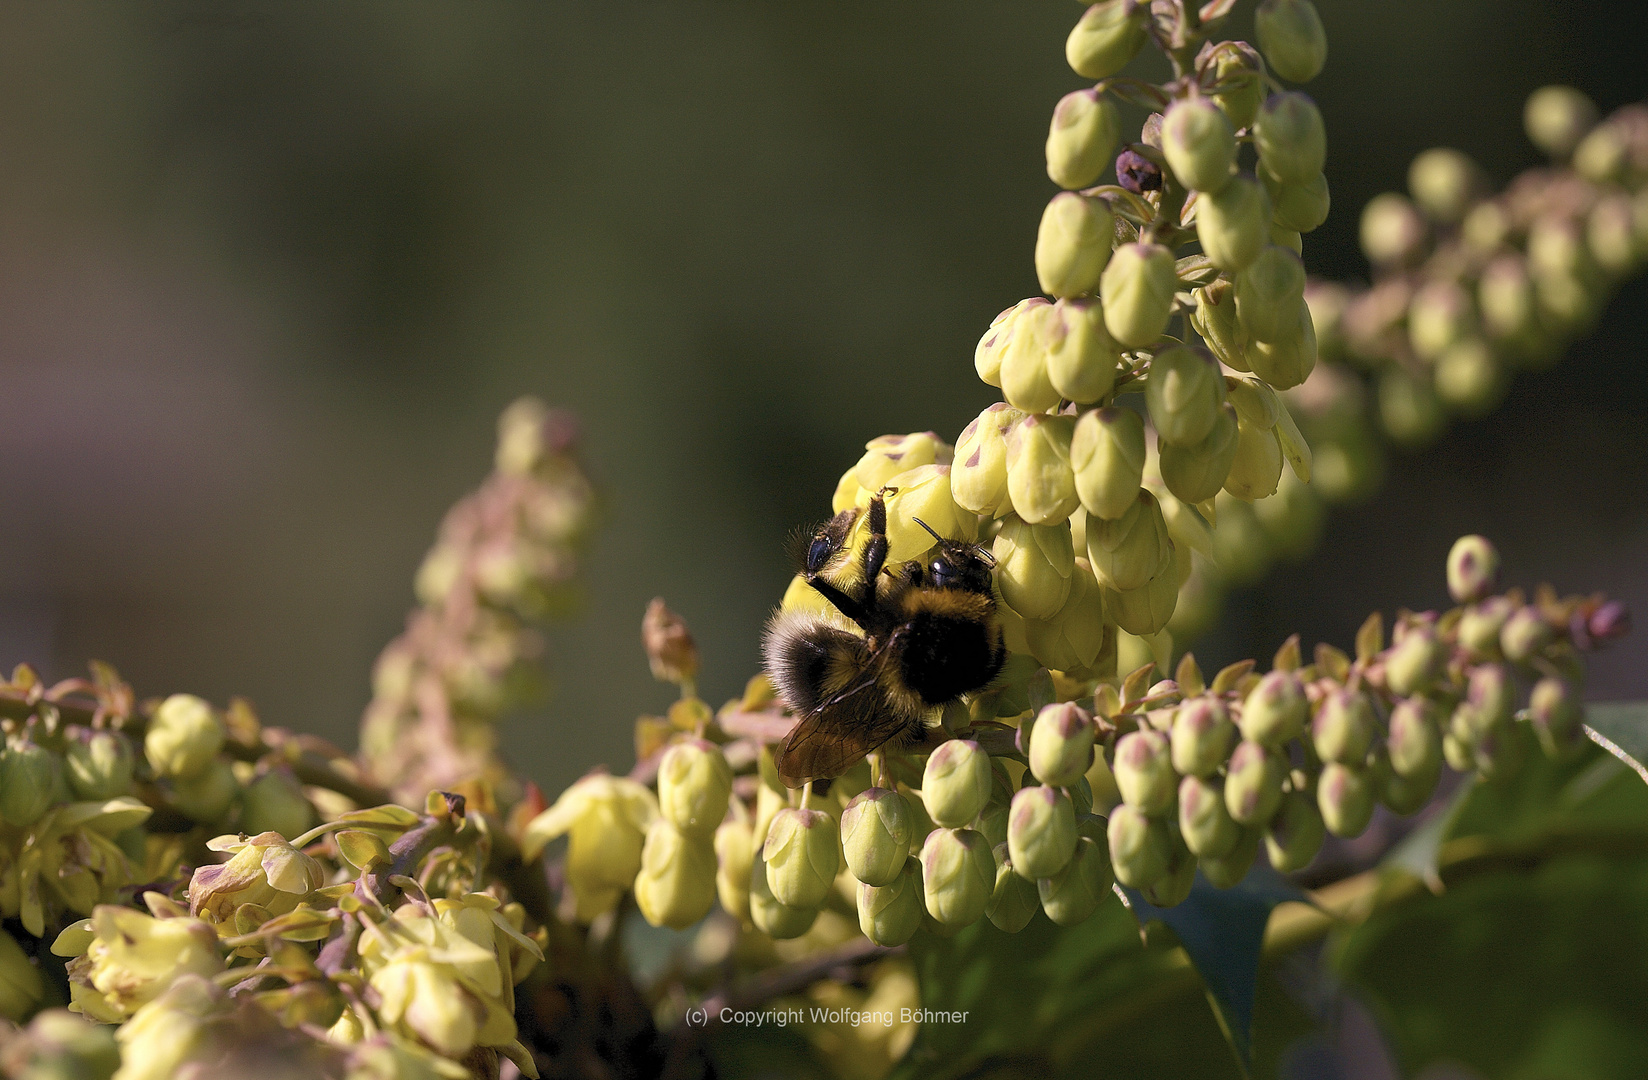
[[1438, 316], [1290, 138], [877, 828], [1288, 361], [890, 914], [1392, 232], [132, 958], [1140, 847], [1196, 473], [206, 796], [1253, 786], [1138, 287], [1040, 481], [1109, 35], [1073, 244], [99, 765], [956, 783], [184, 736], [1077, 638], [1345, 795], [1034, 564], [1232, 223], [1469, 377], [1301, 206], [776, 919], [1024, 378], [1183, 394], [1144, 773], [676, 885], [1061, 744], [1205, 823], [158, 1042], [1291, 36], [1082, 139], [1256, 468], [1274, 710], [1081, 354], [30, 776], [1601, 155], [978, 478], [607, 817], [694, 783], [1269, 292], [992, 346], [1408, 408], [1014, 902], [1073, 894], [1199, 143], [1131, 550], [274, 802], [1215, 320], [1239, 82], [734, 854], [1556, 118], [888, 455], [1107, 452], [802, 856], [1295, 834], [958, 876], [1145, 610], [1444, 182]]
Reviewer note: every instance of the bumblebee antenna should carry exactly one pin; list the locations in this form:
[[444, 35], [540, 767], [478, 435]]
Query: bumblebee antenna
[[985, 553], [929, 528]]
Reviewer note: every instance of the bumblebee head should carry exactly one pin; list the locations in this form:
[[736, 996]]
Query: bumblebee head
[[956, 564]]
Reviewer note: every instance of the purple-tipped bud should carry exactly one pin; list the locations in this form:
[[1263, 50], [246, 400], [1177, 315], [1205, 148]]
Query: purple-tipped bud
[[1412, 664], [1253, 787], [1526, 632], [1075, 893], [1608, 622], [1343, 727], [1229, 869], [1137, 173], [1173, 887], [1140, 847], [1275, 710], [1041, 831], [958, 876], [1202, 736], [1345, 795], [1204, 820], [1473, 569], [1144, 771], [1555, 711], [1415, 743], [1492, 696], [1480, 626], [1061, 744]]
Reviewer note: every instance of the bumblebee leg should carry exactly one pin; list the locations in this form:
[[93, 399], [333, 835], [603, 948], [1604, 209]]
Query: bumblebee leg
[[843, 603], [875, 551]]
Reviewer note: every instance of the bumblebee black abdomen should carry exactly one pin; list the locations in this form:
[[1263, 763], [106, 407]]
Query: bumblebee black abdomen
[[944, 657]]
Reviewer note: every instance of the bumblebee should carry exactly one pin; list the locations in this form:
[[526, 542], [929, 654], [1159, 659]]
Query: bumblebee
[[902, 642]]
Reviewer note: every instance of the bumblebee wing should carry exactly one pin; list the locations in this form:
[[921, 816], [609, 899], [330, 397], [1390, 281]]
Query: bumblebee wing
[[843, 727]]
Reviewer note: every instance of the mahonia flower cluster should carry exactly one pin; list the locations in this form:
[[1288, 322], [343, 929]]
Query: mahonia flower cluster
[[505, 560]]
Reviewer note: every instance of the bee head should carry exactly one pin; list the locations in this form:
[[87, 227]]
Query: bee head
[[958, 565]]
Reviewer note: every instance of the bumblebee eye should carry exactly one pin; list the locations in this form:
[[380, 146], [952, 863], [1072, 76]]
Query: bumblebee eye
[[943, 572], [818, 554]]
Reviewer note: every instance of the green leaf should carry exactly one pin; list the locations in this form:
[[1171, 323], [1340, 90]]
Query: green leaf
[[1621, 728], [1223, 931]]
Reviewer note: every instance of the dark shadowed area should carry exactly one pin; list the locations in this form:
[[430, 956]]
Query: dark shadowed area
[[269, 272]]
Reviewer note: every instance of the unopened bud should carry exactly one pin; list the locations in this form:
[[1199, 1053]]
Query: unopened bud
[[1602, 154], [1555, 711], [802, 856], [1082, 139], [1231, 224], [1501, 753], [1392, 232], [1040, 481], [1290, 138], [1140, 847], [1288, 361], [1438, 316], [98, 765], [1480, 626], [958, 876], [1204, 819], [1199, 143], [184, 736], [1202, 736], [1505, 295], [1444, 182], [1274, 710], [1130, 551], [1077, 636], [207, 795], [1470, 378], [1343, 728], [1215, 320], [1556, 118], [1345, 794], [29, 778], [1412, 664], [1613, 236], [1034, 564], [1146, 610], [992, 347], [1073, 894], [1268, 294], [1144, 771], [1196, 473], [1107, 38], [1041, 831], [275, 802], [1525, 634], [978, 476], [1107, 452], [1061, 744], [694, 782], [1415, 743], [1492, 696], [956, 783], [1229, 869], [1073, 244], [670, 648], [1295, 834], [876, 830], [676, 885], [1024, 379], [1298, 207], [1183, 394], [772, 916], [1253, 786], [1138, 287], [1173, 887], [890, 914], [734, 854], [1256, 465], [1409, 794], [1608, 622], [1238, 82], [1081, 354], [1291, 36], [1473, 569]]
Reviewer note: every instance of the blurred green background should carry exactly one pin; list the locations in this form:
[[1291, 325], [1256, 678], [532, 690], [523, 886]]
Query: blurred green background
[[269, 272]]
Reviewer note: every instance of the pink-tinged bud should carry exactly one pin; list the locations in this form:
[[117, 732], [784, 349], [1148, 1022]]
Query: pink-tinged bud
[[1140, 847], [1295, 834], [1202, 735], [1345, 795], [1061, 744], [1144, 772], [1041, 831], [1473, 569], [1275, 710], [1204, 821], [1253, 786]]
